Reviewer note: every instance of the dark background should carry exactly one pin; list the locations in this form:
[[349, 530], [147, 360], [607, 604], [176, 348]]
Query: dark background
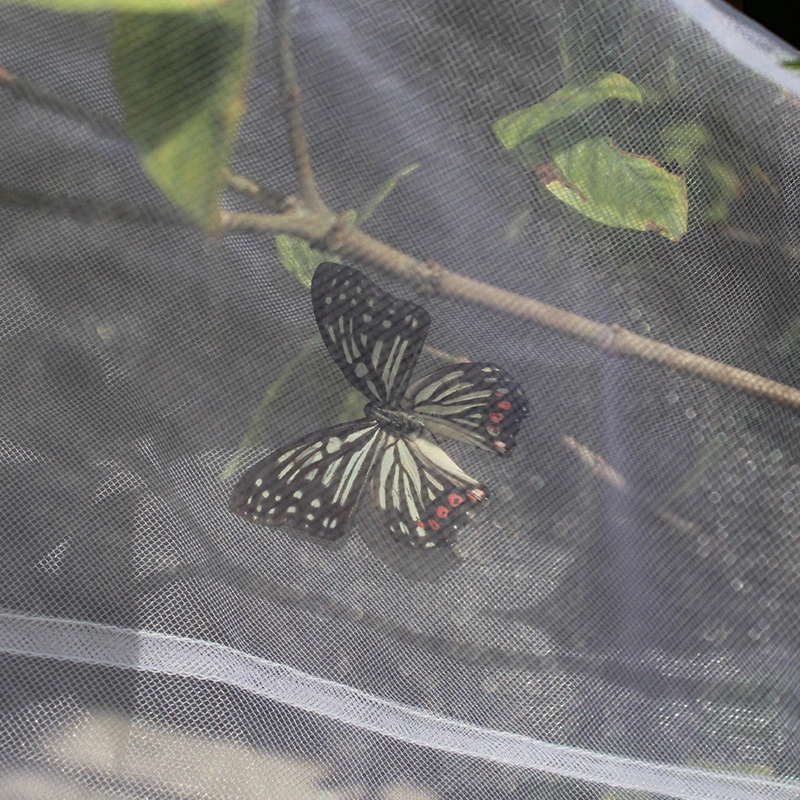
[[779, 16]]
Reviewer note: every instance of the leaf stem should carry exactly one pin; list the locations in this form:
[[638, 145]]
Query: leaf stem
[[607, 475]]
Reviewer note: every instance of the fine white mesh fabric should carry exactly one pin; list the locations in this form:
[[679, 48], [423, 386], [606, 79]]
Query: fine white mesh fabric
[[581, 640]]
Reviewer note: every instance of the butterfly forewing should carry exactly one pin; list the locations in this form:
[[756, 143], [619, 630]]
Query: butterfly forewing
[[314, 484], [421, 494], [473, 402], [374, 338]]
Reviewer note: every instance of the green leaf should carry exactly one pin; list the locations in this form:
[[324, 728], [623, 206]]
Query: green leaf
[[683, 141], [300, 259], [522, 125], [692, 146], [618, 189], [382, 193], [150, 6], [352, 405], [256, 433], [181, 80], [728, 185], [518, 222], [271, 407]]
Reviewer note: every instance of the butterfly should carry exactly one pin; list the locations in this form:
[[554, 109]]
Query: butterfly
[[422, 496]]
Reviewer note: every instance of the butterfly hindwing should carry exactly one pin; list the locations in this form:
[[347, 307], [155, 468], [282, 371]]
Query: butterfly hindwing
[[474, 402], [314, 484], [374, 338], [421, 494]]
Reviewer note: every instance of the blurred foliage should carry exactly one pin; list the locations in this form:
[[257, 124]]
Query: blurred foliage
[[600, 101], [181, 79], [619, 189], [145, 6], [591, 174]]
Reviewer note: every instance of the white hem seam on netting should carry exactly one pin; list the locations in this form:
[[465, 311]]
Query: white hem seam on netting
[[106, 645], [747, 41]]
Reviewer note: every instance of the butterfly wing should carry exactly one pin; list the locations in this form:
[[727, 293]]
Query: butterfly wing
[[474, 402], [421, 494], [374, 338], [314, 484]]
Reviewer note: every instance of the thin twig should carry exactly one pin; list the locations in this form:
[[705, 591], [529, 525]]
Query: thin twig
[[297, 221], [268, 198], [290, 91], [606, 474], [748, 237], [86, 209], [596, 464], [22, 89]]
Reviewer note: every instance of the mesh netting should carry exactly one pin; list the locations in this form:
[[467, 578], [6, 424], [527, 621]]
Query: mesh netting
[[620, 621]]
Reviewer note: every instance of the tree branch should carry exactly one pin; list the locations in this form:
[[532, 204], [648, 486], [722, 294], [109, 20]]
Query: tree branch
[[268, 198], [290, 91], [296, 221], [355, 246]]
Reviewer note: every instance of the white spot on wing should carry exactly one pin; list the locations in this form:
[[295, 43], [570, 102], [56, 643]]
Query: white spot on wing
[[346, 350], [327, 476], [376, 354], [353, 345], [392, 366]]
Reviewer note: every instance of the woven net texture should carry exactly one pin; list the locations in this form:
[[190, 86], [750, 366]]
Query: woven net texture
[[620, 621]]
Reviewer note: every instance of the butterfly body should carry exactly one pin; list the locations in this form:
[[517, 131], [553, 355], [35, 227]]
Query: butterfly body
[[420, 493], [401, 423]]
